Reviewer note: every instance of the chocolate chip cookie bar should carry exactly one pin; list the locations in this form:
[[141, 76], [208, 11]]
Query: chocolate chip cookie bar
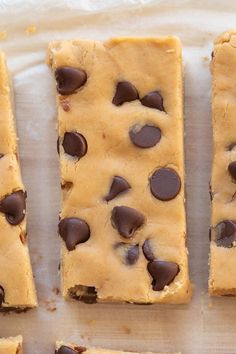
[[122, 221], [17, 290], [222, 280], [62, 348], [12, 345]]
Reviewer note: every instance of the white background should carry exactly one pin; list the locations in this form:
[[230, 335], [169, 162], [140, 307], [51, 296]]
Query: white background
[[206, 326]]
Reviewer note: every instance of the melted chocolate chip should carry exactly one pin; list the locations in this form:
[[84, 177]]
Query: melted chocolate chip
[[147, 251], [145, 136], [224, 233], [73, 231], [126, 220], [67, 350], [165, 184], [14, 206], [74, 144], [69, 79], [132, 254], [163, 273], [232, 169], [119, 185], [125, 92], [153, 100], [2, 295]]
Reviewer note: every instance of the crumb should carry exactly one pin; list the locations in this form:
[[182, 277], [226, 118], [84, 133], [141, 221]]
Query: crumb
[[56, 290], [50, 305], [91, 322], [205, 58], [126, 330], [30, 30], [65, 105], [3, 35]]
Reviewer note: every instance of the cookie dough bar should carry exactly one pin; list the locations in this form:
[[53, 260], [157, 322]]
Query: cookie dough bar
[[222, 280], [12, 345], [122, 220], [62, 348], [17, 290]]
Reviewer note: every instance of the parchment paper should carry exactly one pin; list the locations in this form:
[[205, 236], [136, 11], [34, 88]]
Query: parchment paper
[[205, 326]]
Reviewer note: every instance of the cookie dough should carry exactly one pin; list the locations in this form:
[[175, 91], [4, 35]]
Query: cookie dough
[[17, 290], [12, 345], [62, 348], [122, 220], [222, 280]]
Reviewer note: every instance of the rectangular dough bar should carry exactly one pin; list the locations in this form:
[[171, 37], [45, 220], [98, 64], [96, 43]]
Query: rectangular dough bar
[[11, 345], [120, 118], [62, 348], [222, 279], [17, 290]]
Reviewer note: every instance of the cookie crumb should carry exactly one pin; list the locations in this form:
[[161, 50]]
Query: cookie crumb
[[56, 290], [3, 35], [30, 30]]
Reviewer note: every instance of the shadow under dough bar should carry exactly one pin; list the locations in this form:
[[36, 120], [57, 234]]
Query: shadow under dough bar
[[17, 291], [62, 348], [11, 345], [222, 280], [122, 220]]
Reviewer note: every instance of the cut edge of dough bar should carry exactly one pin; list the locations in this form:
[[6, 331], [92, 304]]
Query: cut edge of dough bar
[[11, 345]]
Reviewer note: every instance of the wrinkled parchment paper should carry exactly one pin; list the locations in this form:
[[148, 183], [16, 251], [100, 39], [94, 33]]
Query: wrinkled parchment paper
[[206, 326]]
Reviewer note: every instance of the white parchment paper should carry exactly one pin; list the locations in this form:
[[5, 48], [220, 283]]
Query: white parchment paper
[[205, 326]]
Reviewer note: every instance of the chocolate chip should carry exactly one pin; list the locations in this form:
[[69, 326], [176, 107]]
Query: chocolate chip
[[126, 220], [2, 295], [212, 54], [69, 79], [224, 233], [147, 251], [163, 273], [119, 185], [153, 100], [232, 169], [73, 231], [74, 144], [58, 146], [145, 136], [132, 254], [14, 206], [125, 92], [165, 184], [67, 350]]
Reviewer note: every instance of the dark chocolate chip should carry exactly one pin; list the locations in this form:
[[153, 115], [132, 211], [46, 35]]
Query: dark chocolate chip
[[126, 220], [67, 350], [119, 185], [69, 79], [163, 273], [147, 251], [132, 254], [165, 184], [73, 231], [14, 206], [2, 295], [212, 54], [145, 136], [74, 144], [224, 233], [232, 169], [86, 294], [125, 92], [153, 100]]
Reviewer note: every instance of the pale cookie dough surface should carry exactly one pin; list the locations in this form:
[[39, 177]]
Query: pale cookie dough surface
[[16, 280], [62, 348], [149, 64], [11, 345], [222, 279]]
